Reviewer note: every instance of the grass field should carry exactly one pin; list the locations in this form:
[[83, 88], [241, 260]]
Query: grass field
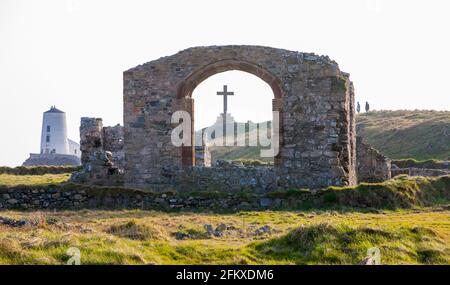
[[407, 134], [147, 237], [351, 221], [15, 180]]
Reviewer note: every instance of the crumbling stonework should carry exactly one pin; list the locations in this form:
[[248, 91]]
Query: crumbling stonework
[[315, 100], [412, 171], [372, 166], [102, 153]]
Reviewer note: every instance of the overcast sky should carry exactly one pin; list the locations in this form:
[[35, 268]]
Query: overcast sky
[[72, 54]]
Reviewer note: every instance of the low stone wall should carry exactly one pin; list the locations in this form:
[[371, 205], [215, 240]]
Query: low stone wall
[[427, 164], [227, 177], [71, 196], [419, 172], [371, 165]]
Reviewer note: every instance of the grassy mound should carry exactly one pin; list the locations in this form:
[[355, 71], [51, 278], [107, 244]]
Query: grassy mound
[[342, 244], [401, 192], [135, 231]]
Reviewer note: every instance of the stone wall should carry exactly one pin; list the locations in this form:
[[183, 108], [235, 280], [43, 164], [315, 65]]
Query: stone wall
[[314, 98], [113, 142], [228, 177], [419, 171], [102, 155], [84, 197], [372, 166]]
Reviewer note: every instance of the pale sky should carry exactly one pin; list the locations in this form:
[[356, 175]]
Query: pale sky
[[72, 54]]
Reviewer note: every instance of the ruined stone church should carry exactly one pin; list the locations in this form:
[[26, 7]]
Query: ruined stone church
[[317, 138]]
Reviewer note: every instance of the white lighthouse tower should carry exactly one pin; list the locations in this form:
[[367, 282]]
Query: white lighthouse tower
[[54, 132], [56, 148]]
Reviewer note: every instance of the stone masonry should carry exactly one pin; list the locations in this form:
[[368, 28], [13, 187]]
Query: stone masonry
[[315, 100], [102, 153], [372, 166]]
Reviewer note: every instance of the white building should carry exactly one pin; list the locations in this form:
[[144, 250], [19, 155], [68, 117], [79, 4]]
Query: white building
[[54, 134], [56, 148]]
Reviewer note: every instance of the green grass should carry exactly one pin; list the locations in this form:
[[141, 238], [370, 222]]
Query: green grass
[[421, 135], [298, 237], [346, 244], [400, 192], [32, 180]]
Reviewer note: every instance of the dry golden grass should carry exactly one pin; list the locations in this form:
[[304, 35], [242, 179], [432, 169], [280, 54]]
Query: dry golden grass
[[419, 236], [15, 180]]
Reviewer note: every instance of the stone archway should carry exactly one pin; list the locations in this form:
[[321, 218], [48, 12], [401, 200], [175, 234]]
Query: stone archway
[[315, 98], [186, 88]]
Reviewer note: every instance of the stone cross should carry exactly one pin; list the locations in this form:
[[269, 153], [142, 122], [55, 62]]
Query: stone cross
[[225, 93]]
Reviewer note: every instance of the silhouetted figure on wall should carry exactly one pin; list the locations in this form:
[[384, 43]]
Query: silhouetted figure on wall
[[358, 107], [367, 107]]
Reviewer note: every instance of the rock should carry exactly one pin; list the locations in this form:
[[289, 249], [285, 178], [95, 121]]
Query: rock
[[263, 230], [78, 197], [208, 228], [265, 202], [12, 201], [51, 221], [220, 230], [181, 236], [13, 223], [159, 200]]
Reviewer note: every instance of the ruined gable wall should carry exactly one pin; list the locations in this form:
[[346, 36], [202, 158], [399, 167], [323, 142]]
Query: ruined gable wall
[[316, 101]]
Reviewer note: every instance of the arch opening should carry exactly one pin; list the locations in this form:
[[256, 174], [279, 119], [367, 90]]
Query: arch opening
[[254, 129]]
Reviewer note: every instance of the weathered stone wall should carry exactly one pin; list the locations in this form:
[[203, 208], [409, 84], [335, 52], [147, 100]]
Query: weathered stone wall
[[419, 172], [102, 153], [372, 166], [79, 197], [227, 177], [315, 100], [113, 142]]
